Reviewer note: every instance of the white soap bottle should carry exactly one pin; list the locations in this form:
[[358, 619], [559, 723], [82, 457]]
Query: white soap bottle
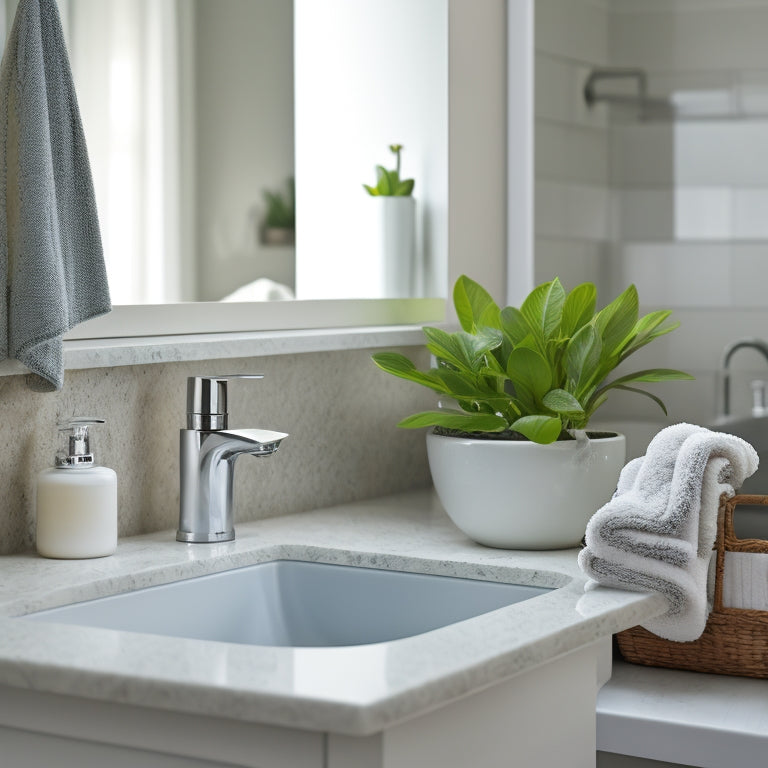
[[76, 499]]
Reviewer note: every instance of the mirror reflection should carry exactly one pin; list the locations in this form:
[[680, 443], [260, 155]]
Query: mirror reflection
[[230, 142]]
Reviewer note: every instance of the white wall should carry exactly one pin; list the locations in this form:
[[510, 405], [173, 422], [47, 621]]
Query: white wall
[[368, 74]]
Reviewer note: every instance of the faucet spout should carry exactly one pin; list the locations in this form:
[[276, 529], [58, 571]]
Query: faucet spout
[[757, 344], [228, 444]]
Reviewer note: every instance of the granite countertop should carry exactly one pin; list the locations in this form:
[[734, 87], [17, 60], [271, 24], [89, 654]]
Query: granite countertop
[[355, 690]]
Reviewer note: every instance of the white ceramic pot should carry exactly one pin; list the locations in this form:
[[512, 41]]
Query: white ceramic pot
[[522, 495], [395, 245]]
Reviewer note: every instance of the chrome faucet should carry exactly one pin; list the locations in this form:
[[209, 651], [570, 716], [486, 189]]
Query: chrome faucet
[[208, 451], [758, 344]]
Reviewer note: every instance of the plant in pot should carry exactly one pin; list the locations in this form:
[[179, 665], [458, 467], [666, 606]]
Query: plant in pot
[[513, 464], [279, 226], [393, 225]]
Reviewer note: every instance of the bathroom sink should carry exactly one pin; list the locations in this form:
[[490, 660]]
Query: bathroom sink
[[295, 603]]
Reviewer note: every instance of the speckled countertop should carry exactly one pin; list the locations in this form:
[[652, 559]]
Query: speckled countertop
[[354, 690]]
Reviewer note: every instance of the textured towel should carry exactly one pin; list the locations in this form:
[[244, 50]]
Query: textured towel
[[51, 260], [657, 532]]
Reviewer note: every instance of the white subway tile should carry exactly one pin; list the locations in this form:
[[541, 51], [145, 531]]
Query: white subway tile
[[702, 214], [644, 214], [573, 29], [643, 155], [570, 153], [666, 6], [709, 39], [676, 274], [713, 153], [749, 275], [571, 211], [691, 213], [574, 263], [750, 214]]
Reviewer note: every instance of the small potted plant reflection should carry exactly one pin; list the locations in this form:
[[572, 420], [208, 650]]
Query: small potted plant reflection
[[389, 183], [392, 244], [279, 227]]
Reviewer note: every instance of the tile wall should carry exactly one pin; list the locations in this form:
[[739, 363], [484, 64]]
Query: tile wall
[[572, 143], [677, 206]]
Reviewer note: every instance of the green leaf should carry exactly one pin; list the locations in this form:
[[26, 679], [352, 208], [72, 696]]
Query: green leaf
[[404, 188], [464, 350], [466, 422], [472, 391], [651, 374], [579, 308], [647, 329], [490, 317], [616, 321], [527, 368], [471, 301], [543, 309], [371, 190], [538, 429], [401, 366], [514, 325], [655, 399], [384, 184], [560, 401], [581, 358]]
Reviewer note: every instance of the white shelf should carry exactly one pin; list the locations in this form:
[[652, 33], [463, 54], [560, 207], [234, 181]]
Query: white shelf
[[708, 721]]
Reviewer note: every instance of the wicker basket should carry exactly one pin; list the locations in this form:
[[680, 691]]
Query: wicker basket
[[735, 640]]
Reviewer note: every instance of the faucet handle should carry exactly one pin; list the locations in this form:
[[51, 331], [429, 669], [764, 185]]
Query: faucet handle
[[207, 400]]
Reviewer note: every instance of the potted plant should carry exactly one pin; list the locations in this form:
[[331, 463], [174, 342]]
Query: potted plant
[[394, 229], [513, 464], [279, 226]]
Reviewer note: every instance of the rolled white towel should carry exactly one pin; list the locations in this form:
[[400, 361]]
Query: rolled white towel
[[657, 532]]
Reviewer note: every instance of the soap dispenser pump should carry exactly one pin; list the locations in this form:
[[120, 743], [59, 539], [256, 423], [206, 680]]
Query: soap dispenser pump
[[76, 499]]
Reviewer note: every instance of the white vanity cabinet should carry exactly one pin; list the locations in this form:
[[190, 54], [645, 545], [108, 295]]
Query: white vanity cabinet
[[542, 717]]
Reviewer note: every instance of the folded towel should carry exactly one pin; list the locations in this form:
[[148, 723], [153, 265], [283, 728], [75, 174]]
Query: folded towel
[[52, 273], [656, 533]]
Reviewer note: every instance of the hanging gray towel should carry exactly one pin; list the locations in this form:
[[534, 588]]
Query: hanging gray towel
[[52, 273]]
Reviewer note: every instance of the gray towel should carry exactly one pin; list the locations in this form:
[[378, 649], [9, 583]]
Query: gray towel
[[656, 533], [51, 259]]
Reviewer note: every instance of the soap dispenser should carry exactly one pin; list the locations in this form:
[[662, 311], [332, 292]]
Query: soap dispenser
[[76, 499]]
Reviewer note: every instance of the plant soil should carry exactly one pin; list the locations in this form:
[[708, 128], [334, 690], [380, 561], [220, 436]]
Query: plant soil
[[509, 434]]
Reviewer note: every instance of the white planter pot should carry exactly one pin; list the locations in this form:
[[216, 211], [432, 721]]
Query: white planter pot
[[394, 245], [521, 495]]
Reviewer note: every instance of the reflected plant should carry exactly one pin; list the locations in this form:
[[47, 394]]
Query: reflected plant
[[281, 207], [389, 183]]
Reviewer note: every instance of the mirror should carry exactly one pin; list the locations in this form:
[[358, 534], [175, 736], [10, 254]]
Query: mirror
[[199, 116]]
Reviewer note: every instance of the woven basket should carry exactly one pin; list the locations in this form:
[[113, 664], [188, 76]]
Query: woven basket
[[735, 640]]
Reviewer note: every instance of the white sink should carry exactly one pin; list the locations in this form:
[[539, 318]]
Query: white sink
[[293, 603]]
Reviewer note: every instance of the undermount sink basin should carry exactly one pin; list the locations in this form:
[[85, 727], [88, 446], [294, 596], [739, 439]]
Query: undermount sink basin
[[294, 603]]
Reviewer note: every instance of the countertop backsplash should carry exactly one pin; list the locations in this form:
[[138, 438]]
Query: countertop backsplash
[[339, 410]]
